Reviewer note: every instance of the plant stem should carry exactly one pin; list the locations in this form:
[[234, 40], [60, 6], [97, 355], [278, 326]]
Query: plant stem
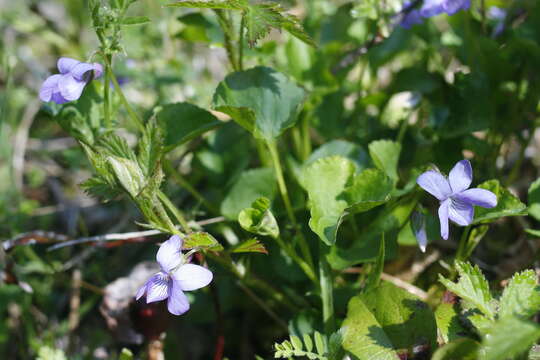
[[285, 196], [327, 295], [308, 270], [174, 210], [463, 241], [225, 24], [306, 137], [132, 114], [241, 44], [106, 94], [188, 187]]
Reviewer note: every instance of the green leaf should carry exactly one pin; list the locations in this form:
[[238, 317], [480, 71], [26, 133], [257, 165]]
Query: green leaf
[[128, 173], [533, 232], [369, 189], [258, 219], [250, 186], [462, 349], [385, 156], [509, 337], [521, 297], [202, 240], [183, 122], [135, 20], [507, 204], [250, 246], [99, 187], [406, 320], [150, 149], [262, 100], [343, 148], [319, 343], [374, 277], [472, 287], [363, 336], [224, 5], [325, 181], [533, 199], [126, 354], [448, 324]]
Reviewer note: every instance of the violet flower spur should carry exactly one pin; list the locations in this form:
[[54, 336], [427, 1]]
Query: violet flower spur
[[69, 84], [456, 198], [175, 277]]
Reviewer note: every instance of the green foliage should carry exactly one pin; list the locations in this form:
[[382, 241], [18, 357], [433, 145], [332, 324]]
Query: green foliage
[[258, 219], [472, 287], [509, 337], [448, 323], [258, 18], [250, 186], [374, 277], [386, 319], [521, 297], [533, 200], [463, 348], [201, 240], [312, 348], [250, 246], [263, 101], [334, 191], [182, 122], [325, 180], [385, 156], [507, 204]]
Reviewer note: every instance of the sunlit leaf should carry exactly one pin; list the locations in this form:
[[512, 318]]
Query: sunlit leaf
[[262, 100]]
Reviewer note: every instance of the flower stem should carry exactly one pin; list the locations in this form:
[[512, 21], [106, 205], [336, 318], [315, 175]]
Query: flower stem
[[174, 210], [132, 114], [106, 95], [308, 270], [285, 196], [463, 242], [327, 295], [188, 187]]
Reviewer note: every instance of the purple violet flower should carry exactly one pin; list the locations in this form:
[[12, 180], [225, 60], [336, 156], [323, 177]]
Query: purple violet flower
[[418, 221], [456, 198], [69, 84], [175, 277], [431, 8]]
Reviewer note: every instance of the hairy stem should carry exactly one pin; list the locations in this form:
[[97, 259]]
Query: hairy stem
[[106, 93], [174, 210]]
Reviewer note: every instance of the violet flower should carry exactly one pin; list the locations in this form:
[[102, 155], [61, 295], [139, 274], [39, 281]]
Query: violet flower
[[418, 222], [456, 198], [175, 277], [69, 84], [431, 8]]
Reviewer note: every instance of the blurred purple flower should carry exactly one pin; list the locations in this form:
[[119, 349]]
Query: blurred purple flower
[[499, 16], [430, 8], [174, 278], [456, 198], [69, 84]]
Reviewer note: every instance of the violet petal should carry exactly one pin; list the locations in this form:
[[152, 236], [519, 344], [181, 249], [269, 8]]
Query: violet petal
[[460, 212], [49, 87], [168, 255], [80, 70], [157, 287], [435, 184], [70, 88], [178, 302], [65, 64], [443, 218], [192, 277], [478, 197], [460, 176]]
